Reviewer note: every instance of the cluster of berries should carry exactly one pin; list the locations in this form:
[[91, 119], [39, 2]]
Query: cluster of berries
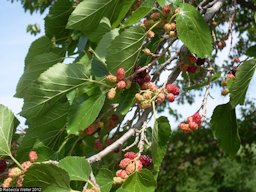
[[121, 83], [142, 76], [150, 92], [130, 164], [231, 75], [193, 122], [16, 175], [193, 65]]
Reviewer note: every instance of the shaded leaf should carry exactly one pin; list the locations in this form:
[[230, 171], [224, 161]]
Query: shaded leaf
[[52, 86], [140, 13], [84, 114], [193, 31], [251, 51], [124, 49], [88, 14], [160, 139], [169, 2], [40, 46], [78, 168], [124, 7], [7, 128], [103, 27], [38, 64], [224, 127], [48, 129], [99, 67], [47, 175], [240, 85], [56, 20], [204, 83], [105, 179], [139, 182]]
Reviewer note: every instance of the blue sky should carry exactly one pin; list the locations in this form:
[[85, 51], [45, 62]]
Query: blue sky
[[14, 44]]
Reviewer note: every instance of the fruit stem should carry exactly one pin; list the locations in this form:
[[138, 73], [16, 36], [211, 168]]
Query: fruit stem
[[16, 162], [173, 17]]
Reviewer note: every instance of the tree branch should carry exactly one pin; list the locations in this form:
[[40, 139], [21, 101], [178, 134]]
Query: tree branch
[[210, 13], [121, 140]]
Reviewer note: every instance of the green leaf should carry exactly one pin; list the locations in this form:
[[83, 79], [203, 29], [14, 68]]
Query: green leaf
[[140, 13], [124, 7], [83, 115], [52, 86], [104, 179], [124, 50], [38, 64], [99, 68], [127, 99], [103, 27], [40, 46], [160, 139], [7, 128], [88, 14], [204, 83], [139, 182], [240, 85], [78, 168], [224, 127], [193, 31], [56, 20], [47, 175], [251, 51], [169, 2], [48, 129]]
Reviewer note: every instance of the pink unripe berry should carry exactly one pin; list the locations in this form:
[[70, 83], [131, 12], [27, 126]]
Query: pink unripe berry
[[166, 9], [123, 163], [128, 84], [237, 60], [171, 88], [150, 34], [190, 119], [32, 156], [26, 164], [147, 95], [160, 97], [118, 180], [121, 173], [170, 97], [139, 97], [120, 74], [90, 130], [230, 76], [111, 93], [193, 125], [121, 85], [14, 172], [130, 155], [7, 182], [130, 168], [184, 127], [152, 86], [111, 78], [197, 118]]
